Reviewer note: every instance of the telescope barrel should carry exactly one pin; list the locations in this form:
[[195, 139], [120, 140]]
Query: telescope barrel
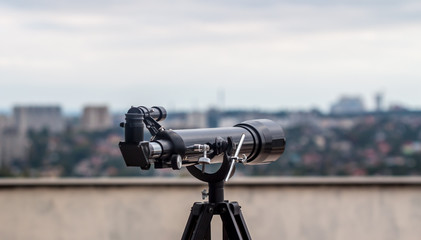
[[264, 141]]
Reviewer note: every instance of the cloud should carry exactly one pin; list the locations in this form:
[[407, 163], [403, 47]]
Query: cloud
[[284, 44]]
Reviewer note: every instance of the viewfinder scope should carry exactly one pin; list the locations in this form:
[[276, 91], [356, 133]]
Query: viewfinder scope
[[263, 141]]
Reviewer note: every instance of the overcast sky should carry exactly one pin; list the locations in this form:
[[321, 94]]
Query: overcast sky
[[267, 55]]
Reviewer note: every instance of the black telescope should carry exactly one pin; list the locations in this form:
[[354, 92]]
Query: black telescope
[[258, 141], [263, 141]]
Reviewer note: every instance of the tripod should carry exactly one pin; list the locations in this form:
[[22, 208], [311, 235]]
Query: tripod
[[198, 225]]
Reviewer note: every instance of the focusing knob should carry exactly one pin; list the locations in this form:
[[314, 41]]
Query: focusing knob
[[176, 162]]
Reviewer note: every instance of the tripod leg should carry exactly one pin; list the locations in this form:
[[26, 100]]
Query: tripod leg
[[191, 222], [198, 224], [224, 233], [233, 222], [236, 208]]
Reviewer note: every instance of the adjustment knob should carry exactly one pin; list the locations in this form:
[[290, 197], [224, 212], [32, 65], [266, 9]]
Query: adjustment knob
[[176, 162], [204, 160]]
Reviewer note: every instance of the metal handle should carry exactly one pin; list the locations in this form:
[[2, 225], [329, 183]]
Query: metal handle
[[235, 158]]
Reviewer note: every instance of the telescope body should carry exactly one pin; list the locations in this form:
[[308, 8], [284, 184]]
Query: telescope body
[[264, 142]]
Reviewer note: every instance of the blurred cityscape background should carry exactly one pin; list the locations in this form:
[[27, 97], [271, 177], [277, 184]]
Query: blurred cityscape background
[[342, 78], [42, 141]]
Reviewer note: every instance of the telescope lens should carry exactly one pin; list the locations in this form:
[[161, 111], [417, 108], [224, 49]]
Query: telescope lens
[[269, 140]]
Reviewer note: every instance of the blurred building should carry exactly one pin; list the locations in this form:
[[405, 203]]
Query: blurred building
[[196, 120], [348, 105], [38, 118], [397, 107], [3, 123], [213, 116], [96, 118], [13, 132], [13, 146], [11, 142], [379, 102]]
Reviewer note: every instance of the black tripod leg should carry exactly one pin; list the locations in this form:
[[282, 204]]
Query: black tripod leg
[[224, 233], [198, 224], [235, 207], [191, 222], [233, 222], [229, 223]]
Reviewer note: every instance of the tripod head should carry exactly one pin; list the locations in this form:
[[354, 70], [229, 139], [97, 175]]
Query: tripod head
[[258, 141]]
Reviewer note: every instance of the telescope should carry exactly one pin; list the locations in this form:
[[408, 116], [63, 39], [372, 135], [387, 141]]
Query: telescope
[[253, 142], [263, 141]]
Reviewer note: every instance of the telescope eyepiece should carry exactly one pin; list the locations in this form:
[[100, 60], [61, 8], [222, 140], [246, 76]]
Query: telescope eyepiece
[[157, 113], [135, 122]]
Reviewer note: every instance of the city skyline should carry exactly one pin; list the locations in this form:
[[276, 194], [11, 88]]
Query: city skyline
[[195, 55], [343, 105], [373, 106]]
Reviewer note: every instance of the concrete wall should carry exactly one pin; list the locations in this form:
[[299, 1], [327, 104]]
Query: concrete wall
[[281, 208]]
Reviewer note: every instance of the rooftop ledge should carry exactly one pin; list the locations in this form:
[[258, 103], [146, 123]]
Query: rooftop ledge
[[190, 181]]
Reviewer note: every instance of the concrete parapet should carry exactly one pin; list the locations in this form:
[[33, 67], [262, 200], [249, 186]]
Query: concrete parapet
[[151, 208]]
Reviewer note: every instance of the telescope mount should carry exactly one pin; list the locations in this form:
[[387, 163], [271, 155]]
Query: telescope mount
[[198, 225]]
